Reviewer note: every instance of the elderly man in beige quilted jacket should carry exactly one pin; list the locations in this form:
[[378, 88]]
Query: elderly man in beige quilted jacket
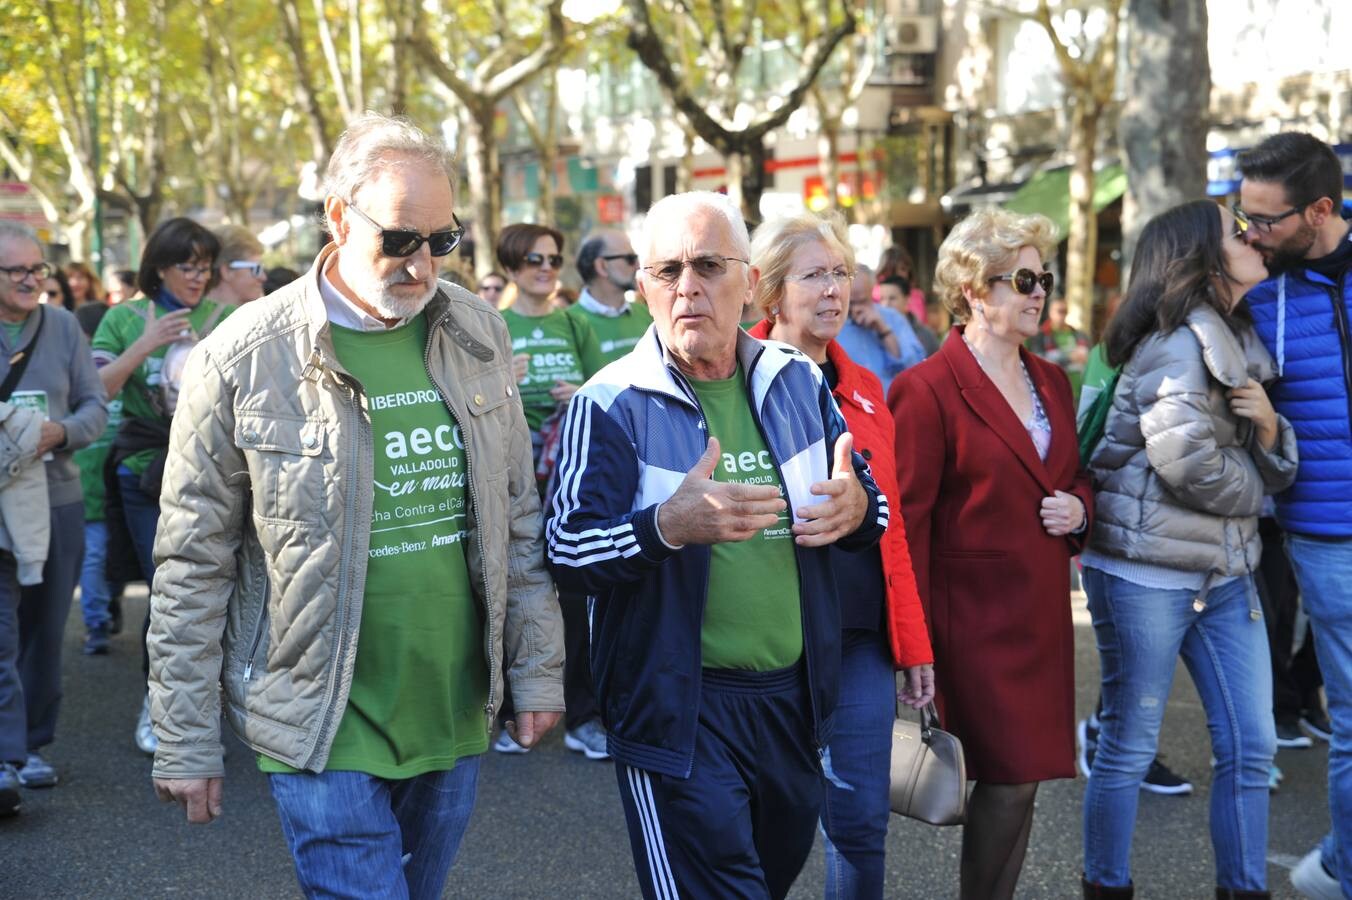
[[349, 551]]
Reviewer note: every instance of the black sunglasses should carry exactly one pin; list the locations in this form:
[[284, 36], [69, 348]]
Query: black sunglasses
[[1025, 281], [631, 258], [398, 243], [537, 260]]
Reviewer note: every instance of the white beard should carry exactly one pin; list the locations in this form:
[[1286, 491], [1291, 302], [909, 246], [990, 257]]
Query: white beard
[[375, 292]]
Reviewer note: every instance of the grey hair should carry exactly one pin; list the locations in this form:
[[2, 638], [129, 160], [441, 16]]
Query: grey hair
[[369, 142], [665, 213], [13, 231]]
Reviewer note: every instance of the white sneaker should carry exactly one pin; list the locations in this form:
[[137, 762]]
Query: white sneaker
[[588, 739], [507, 744], [1311, 880], [146, 741]]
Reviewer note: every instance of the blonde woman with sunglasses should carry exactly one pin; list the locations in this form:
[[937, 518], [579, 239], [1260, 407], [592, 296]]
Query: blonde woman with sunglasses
[[995, 504]]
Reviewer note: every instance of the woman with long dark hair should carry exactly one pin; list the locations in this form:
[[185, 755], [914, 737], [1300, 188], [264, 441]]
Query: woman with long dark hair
[[1189, 449]]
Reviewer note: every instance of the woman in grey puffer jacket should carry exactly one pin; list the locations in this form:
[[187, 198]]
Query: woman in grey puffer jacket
[[1189, 449]]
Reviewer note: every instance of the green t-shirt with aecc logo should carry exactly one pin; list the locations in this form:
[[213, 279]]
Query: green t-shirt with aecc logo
[[561, 348], [420, 681], [615, 335], [752, 616], [120, 328]]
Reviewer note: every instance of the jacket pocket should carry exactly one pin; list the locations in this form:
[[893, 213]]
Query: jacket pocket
[[286, 460]]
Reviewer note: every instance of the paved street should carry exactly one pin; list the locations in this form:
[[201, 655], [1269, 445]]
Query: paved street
[[548, 824]]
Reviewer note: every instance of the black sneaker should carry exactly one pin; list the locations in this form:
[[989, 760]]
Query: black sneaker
[[1290, 737], [1163, 780], [96, 642], [10, 800], [1317, 723]]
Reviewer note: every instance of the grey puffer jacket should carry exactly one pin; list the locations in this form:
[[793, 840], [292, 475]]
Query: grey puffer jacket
[[265, 528], [1179, 479]]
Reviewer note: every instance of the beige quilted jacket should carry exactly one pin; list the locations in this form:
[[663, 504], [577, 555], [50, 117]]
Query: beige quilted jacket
[[264, 530], [1178, 478]]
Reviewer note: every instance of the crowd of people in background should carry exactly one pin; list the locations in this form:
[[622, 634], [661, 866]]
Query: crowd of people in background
[[636, 470]]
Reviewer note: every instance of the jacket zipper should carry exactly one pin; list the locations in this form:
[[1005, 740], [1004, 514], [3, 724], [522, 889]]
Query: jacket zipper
[[802, 593], [340, 648], [490, 708], [1337, 294], [258, 631]]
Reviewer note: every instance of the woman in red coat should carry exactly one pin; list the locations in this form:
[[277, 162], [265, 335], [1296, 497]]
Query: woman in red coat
[[805, 265], [995, 504]]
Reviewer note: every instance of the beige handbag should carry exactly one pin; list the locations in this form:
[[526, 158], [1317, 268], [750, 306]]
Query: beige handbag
[[929, 775]]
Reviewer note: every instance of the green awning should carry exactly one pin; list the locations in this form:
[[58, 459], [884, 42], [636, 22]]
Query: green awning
[[1048, 193]]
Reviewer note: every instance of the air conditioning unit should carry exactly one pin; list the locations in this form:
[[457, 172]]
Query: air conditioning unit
[[913, 34]]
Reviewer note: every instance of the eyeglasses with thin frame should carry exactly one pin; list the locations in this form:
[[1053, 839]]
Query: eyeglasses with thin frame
[[398, 243], [1264, 223], [490, 286], [822, 279], [20, 274], [1025, 281], [1241, 225], [253, 268], [707, 267], [192, 272], [630, 258], [538, 260]]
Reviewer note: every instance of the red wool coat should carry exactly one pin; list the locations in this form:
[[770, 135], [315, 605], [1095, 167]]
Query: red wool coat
[[859, 395], [995, 585]]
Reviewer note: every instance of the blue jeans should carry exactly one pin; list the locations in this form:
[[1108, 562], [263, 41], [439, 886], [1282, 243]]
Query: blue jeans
[[1141, 632], [857, 769], [355, 835], [1324, 570], [142, 514], [94, 591]]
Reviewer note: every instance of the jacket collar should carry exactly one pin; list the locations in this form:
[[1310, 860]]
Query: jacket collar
[[596, 307], [654, 369], [1230, 358], [991, 407]]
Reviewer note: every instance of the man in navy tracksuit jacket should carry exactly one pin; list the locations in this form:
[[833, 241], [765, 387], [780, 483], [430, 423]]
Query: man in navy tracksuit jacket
[[1292, 196], [715, 630]]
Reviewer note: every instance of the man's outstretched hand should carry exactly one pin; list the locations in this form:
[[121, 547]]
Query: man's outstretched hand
[[704, 511], [843, 510]]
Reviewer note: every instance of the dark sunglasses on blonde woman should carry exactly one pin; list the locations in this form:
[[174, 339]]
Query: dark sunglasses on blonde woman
[[1025, 281]]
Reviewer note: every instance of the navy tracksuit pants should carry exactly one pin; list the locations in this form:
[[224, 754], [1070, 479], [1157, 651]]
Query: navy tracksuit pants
[[743, 823]]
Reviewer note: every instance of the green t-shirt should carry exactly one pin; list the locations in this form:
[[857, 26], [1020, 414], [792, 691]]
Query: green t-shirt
[[752, 618], [1097, 376], [120, 328], [616, 335], [420, 681], [561, 348], [13, 330], [90, 459]]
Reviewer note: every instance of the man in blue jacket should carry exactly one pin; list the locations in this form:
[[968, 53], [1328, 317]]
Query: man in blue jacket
[[693, 503], [1292, 197]]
